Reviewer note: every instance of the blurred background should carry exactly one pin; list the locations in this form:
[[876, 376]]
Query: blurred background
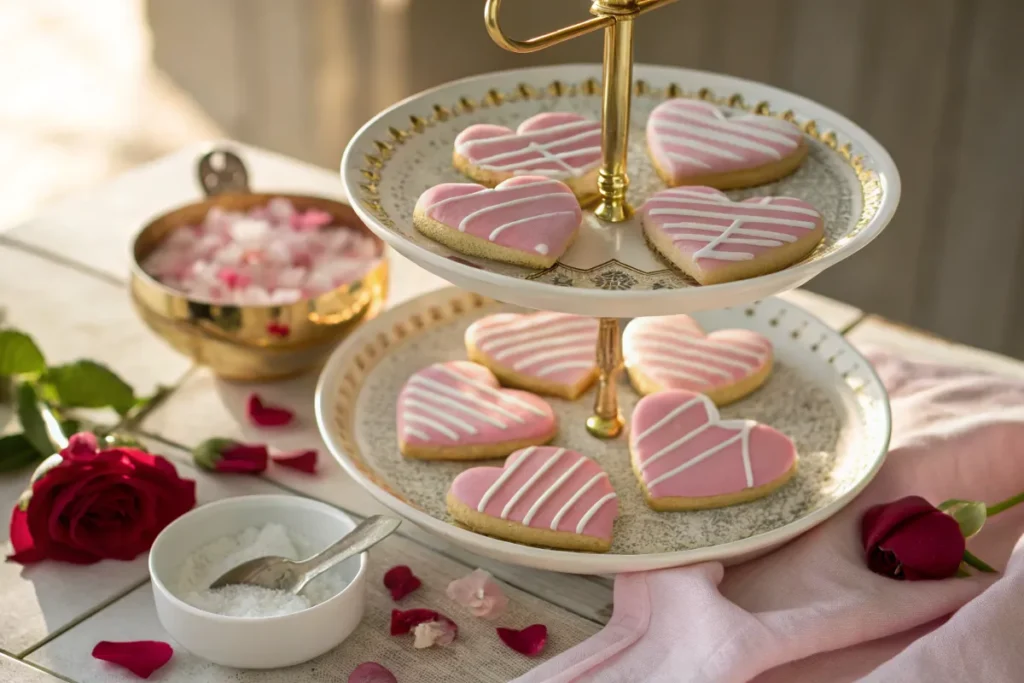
[[91, 88]]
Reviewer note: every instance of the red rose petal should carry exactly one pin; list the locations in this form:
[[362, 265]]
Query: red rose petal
[[400, 581], [371, 672], [303, 461], [530, 641], [141, 657], [25, 551], [404, 621], [266, 415]]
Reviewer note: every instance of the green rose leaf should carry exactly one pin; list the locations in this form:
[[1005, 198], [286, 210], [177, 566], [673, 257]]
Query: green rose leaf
[[16, 451], [31, 418], [969, 514], [19, 355], [87, 384]]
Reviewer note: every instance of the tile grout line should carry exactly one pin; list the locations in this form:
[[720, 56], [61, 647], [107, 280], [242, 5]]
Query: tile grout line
[[420, 542], [55, 258], [43, 669], [82, 617]]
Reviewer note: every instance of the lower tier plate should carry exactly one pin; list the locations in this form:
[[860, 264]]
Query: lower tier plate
[[822, 393]]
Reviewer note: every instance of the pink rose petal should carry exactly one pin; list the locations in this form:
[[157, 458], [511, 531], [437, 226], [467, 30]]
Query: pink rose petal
[[430, 633], [529, 641], [404, 621], [141, 657], [303, 461], [371, 672], [400, 581], [266, 415], [480, 594]]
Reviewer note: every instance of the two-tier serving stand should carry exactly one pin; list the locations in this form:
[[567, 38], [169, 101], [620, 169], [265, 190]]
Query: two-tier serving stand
[[610, 272]]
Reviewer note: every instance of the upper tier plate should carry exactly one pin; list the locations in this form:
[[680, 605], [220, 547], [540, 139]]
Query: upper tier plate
[[610, 270]]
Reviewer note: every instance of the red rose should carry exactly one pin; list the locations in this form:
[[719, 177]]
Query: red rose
[[911, 539], [98, 504]]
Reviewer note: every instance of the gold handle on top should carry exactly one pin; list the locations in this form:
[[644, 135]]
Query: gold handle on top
[[493, 8]]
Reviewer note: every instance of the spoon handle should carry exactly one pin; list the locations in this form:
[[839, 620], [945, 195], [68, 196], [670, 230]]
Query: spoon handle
[[367, 533]]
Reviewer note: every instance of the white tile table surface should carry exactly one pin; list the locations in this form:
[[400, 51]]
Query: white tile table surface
[[62, 278]]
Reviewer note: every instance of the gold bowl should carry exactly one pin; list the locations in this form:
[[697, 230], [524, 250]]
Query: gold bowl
[[251, 343]]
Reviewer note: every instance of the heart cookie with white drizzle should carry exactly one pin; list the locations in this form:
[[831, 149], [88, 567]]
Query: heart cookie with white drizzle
[[559, 145], [527, 220], [546, 496], [714, 239], [687, 458], [550, 353], [673, 352], [458, 411]]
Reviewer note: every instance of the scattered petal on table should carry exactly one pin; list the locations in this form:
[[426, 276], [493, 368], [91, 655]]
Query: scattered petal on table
[[400, 581], [266, 415], [530, 641], [480, 594], [371, 672], [303, 461], [141, 657], [431, 633]]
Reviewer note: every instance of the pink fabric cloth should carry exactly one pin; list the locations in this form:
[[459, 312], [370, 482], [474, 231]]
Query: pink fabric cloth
[[811, 611]]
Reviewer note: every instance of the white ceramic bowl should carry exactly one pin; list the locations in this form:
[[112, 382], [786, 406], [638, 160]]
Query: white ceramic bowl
[[256, 643]]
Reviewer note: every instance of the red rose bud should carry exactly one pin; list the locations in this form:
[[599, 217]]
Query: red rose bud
[[141, 657], [228, 455], [81, 445], [530, 641], [303, 461], [265, 415], [111, 504], [400, 581], [911, 539]]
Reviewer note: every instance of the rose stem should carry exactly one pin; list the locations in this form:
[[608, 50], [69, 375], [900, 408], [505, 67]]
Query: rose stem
[[993, 510], [977, 562]]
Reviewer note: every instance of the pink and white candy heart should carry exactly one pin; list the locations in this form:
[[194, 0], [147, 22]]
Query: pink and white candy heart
[[695, 143], [543, 495], [714, 239], [527, 220], [688, 458], [673, 352], [458, 411], [550, 353], [559, 145]]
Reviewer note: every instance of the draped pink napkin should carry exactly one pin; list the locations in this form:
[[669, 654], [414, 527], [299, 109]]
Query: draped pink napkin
[[811, 611]]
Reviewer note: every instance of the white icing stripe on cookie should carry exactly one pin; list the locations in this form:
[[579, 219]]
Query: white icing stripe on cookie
[[760, 128], [499, 341], [418, 433], [564, 365], [452, 391], [678, 410], [541, 471], [543, 356], [505, 475], [688, 354], [575, 499], [689, 363], [433, 424], [753, 218], [464, 223], [593, 511], [652, 333], [548, 152], [504, 226], [711, 134], [441, 415], [575, 339], [742, 437], [673, 228], [501, 396], [687, 159], [457, 198], [702, 200], [561, 128], [532, 323], [551, 490]]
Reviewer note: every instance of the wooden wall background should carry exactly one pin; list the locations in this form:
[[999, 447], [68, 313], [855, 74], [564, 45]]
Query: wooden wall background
[[938, 82]]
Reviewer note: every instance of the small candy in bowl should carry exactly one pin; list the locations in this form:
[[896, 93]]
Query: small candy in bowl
[[256, 286], [247, 626]]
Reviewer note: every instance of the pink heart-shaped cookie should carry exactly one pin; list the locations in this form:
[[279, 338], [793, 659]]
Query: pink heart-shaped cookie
[[542, 496], [458, 411], [687, 458], [695, 143], [527, 220], [558, 145], [550, 353], [714, 239], [673, 352]]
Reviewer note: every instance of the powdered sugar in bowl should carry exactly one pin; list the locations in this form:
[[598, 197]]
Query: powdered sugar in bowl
[[256, 286], [247, 627]]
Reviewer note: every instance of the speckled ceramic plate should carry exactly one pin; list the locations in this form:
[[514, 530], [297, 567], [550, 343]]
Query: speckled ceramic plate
[[609, 269], [822, 393]]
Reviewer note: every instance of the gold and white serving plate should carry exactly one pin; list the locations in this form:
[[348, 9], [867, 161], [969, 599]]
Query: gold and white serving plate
[[610, 270], [822, 393]]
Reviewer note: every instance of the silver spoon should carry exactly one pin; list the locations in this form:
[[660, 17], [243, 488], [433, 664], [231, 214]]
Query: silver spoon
[[287, 575]]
